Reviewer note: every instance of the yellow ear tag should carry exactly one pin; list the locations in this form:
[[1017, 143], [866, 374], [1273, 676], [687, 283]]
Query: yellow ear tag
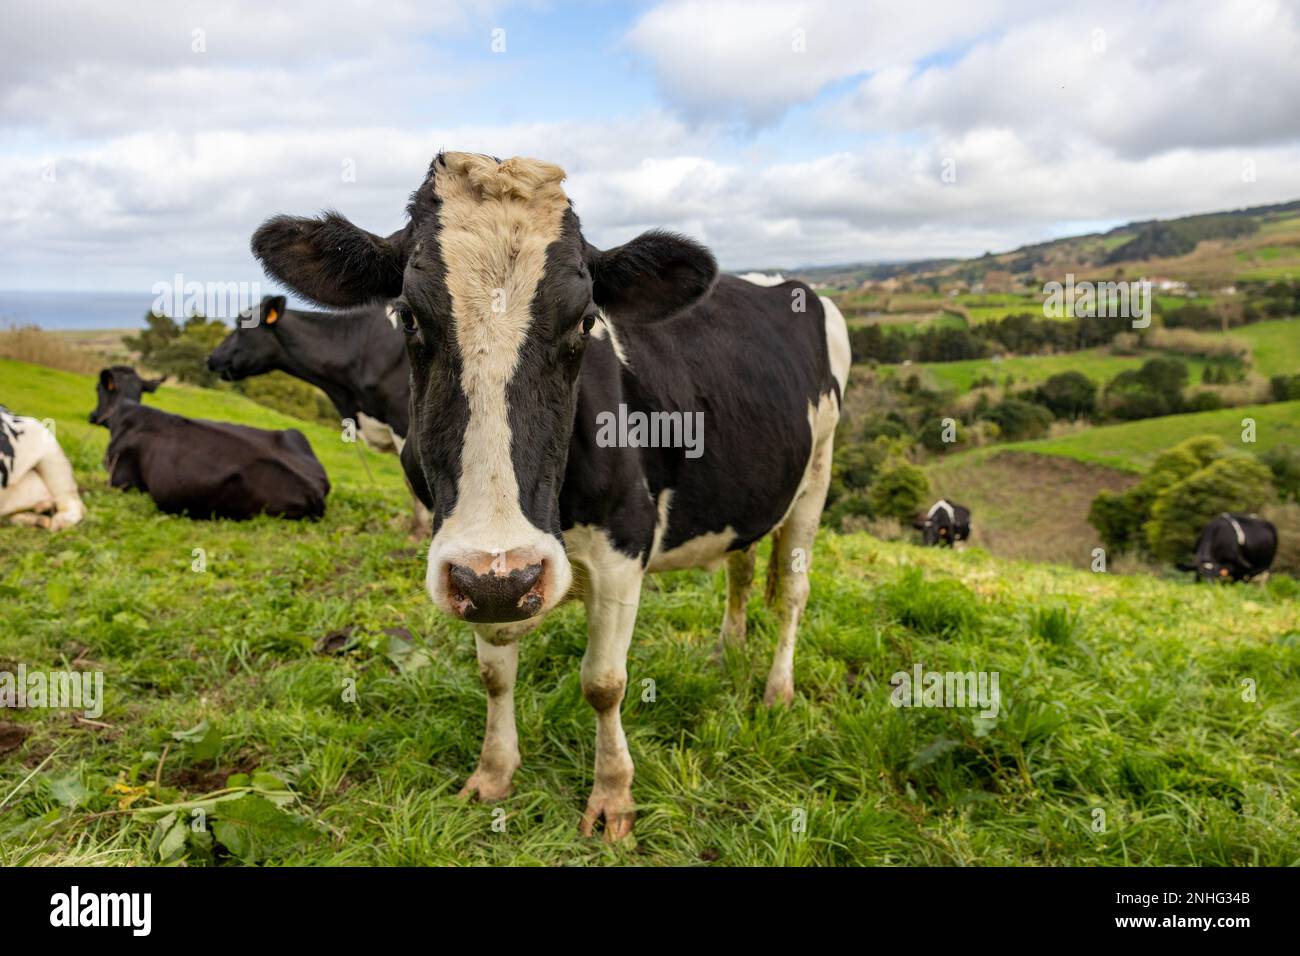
[[112, 386], [271, 316]]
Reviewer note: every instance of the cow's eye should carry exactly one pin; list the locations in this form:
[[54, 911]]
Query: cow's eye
[[406, 317], [588, 322]]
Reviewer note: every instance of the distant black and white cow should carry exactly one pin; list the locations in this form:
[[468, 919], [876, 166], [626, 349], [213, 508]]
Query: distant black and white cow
[[1234, 546], [358, 359], [945, 524], [207, 469], [36, 483], [526, 344]]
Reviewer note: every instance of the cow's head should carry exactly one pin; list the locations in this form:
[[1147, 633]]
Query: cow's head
[[120, 383], [253, 347], [933, 528], [497, 292]]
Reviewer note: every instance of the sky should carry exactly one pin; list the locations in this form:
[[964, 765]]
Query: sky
[[147, 139]]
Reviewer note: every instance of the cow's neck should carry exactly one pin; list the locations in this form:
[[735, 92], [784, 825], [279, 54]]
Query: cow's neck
[[322, 352]]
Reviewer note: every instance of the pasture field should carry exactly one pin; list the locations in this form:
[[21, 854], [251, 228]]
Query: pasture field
[[1028, 507], [1132, 446], [227, 690], [1275, 345], [1098, 364]]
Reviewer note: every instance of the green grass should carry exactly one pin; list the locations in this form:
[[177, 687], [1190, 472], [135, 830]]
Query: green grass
[[1275, 345], [1132, 446], [1117, 693]]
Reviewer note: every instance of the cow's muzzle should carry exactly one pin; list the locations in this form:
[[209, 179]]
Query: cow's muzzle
[[496, 588]]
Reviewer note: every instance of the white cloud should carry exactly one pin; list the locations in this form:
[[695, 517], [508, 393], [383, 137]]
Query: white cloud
[[166, 162]]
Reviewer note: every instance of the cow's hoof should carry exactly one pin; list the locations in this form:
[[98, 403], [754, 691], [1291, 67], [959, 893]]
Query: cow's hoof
[[487, 787], [778, 693], [615, 807]]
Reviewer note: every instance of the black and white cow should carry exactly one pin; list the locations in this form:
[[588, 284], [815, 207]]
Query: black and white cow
[[525, 341], [945, 524], [358, 359], [207, 469], [1234, 546], [37, 487]]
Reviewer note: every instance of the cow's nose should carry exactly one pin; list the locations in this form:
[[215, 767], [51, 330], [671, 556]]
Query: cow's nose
[[496, 589]]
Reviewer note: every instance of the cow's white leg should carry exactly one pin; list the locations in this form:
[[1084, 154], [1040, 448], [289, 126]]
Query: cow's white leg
[[29, 494], [498, 663], [792, 548], [56, 471], [612, 594], [740, 579]]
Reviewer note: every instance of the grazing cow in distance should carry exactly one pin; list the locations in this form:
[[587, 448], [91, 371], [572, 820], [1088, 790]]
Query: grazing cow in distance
[[207, 469], [36, 483], [1234, 546], [358, 359], [526, 344], [945, 524]]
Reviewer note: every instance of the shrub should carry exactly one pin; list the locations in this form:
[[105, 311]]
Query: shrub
[[1204, 402], [899, 491], [180, 351], [1018, 420], [1068, 395], [1239, 483], [1153, 390], [1284, 463], [1121, 519]]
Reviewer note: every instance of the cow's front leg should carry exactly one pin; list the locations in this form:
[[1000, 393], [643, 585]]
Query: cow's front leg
[[498, 662], [611, 597]]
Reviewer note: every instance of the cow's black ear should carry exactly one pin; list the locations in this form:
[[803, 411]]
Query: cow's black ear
[[107, 380], [329, 260], [655, 275], [151, 384], [273, 306]]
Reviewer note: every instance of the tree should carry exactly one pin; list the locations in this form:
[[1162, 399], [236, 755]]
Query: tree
[[899, 491], [1238, 483], [1018, 420], [1068, 395]]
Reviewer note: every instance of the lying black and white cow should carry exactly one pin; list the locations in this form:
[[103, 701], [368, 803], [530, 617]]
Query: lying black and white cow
[[944, 524], [207, 469], [36, 483], [526, 344], [357, 359], [1236, 546]]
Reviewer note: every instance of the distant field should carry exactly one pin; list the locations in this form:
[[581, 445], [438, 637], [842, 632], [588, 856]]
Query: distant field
[[1275, 345], [1098, 364], [1133, 445], [68, 398], [1028, 507]]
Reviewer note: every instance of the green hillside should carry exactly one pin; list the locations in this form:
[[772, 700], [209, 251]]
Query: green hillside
[[1133, 445]]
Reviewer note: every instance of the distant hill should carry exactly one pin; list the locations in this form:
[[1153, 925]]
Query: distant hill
[[1218, 248]]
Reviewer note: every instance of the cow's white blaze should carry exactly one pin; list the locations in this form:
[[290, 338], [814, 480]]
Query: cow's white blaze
[[496, 222]]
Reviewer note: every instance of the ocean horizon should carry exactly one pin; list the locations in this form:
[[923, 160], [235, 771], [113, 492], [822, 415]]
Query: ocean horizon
[[74, 311]]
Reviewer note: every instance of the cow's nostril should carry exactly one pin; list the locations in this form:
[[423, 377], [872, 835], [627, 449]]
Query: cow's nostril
[[495, 596]]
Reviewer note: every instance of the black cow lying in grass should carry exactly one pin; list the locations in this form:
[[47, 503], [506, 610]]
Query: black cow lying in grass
[[201, 468], [944, 524], [1234, 546]]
